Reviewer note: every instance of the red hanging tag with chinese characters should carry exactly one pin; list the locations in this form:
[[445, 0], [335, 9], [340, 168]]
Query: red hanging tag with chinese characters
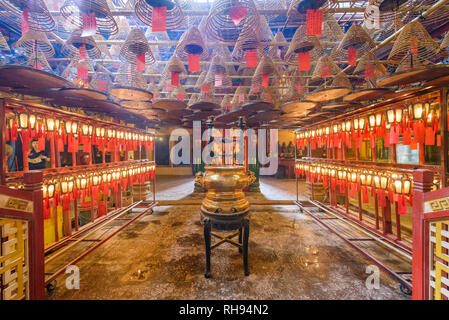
[[175, 79], [237, 13], [325, 71], [140, 60], [251, 58], [369, 72], [194, 62], [438, 140], [25, 21], [218, 79], [102, 85], [314, 22], [180, 96], [402, 205], [159, 19], [265, 80], [205, 88], [304, 61], [83, 53], [352, 56], [82, 72], [413, 45], [89, 25]]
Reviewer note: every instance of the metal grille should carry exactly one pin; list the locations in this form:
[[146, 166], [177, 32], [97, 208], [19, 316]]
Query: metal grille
[[14, 283], [439, 260]]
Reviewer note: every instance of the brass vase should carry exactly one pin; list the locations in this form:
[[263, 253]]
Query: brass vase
[[225, 199]]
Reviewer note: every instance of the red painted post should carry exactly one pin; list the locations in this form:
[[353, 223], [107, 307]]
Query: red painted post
[[33, 183], [3, 129], [422, 183]]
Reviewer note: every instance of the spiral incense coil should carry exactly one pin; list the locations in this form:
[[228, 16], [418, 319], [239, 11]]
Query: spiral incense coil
[[136, 44], [73, 11], [175, 18], [36, 59], [39, 18], [103, 47], [3, 44], [371, 59], [192, 42], [341, 80], [297, 11], [248, 40], [265, 66], [35, 40], [174, 64], [217, 66], [413, 31], [332, 30], [356, 37], [265, 34], [410, 62], [240, 94], [394, 10], [129, 77], [220, 26], [226, 102], [301, 42], [272, 5], [323, 61], [75, 42], [439, 16], [278, 52]]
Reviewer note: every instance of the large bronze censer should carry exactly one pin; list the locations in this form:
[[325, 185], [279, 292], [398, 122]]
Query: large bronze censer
[[225, 203], [225, 208]]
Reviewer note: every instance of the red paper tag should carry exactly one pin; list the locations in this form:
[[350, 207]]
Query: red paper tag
[[180, 96], [140, 59], [83, 53], [304, 61], [369, 72], [251, 58], [159, 19], [352, 56], [237, 13], [175, 79], [102, 85], [89, 25], [25, 22], [430, 137], [194, 62], [325, 71], [439, 140], [265, 79], [218, 79], [413, 44], [314, 22], [241, 98], [205, 88], [407, 137], [82, 72]]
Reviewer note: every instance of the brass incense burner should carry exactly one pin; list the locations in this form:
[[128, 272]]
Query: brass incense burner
[[225, 201]]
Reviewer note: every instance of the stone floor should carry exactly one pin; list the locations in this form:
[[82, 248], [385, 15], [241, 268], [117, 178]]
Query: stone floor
[[162, 256]]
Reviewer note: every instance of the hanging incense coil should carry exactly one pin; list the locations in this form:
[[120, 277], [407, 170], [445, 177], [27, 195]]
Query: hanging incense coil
[[271, 5], [322, 62], [240, 96], [426, 47], [35, 40], [73, 44], [331, 30], [39, 18], [177, 92], [356, 37], [278, 52], [367, 60], [297, 11], [36, 59], [174, 64], [265, 34], [191, 42], [218, 67], [266, 66], [175, 18], [128, 76], [73, 11], [226, 104], [393, 10], [436, 18], [301, 42], [220, 26], [136, 44], [247, 40], [3, 44]]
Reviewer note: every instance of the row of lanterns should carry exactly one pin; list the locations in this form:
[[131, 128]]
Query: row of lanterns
[[418, 118], [63, 189], [384, 185], [33, 127]]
